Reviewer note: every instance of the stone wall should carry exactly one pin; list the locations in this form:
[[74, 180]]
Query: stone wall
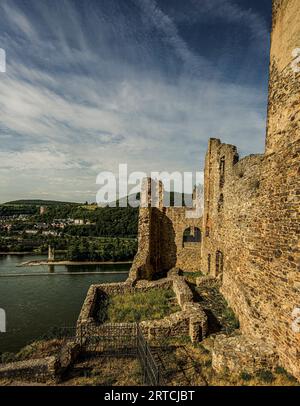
[[252, 230], [241, 354], [257, 233], [187, 257], [160, 237], [39, 370], [284, 88], [251, 222], [190, 321]]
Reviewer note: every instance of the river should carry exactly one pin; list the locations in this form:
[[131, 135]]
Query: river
[[35, 304]]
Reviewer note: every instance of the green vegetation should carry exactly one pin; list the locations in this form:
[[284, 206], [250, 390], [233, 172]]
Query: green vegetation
[[107, 221], [281, 371], [192, 276], [265, 376], [74, 248], [37, 349], [151, 305], [109, 235], [16, 210], [246, 377], [230, 318], [102, 249], [37, 202]]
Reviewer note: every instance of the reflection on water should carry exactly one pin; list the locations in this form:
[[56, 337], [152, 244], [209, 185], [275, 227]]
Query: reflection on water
[[34, 304]]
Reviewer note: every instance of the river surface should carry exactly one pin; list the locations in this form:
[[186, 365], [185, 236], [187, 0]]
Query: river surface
[[36, 304]]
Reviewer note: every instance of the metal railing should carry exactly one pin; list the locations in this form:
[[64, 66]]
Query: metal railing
[[123, 340], [111, 340], [150, 369]]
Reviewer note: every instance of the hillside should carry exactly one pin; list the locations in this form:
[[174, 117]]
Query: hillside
[[38, 202]]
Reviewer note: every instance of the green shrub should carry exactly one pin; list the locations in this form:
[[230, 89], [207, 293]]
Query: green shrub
[[231, 318], [8, 357], [208, 363], [245, 376], [281, 371], [265, 376]]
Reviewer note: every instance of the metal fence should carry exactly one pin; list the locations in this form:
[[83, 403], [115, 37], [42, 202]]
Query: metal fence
[[122, 340], [111, 340], [150, 369]]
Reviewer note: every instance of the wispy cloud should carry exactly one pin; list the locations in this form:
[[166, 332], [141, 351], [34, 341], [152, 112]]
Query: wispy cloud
[[232, 12], [78, 98], [20, 21], [163, 23]]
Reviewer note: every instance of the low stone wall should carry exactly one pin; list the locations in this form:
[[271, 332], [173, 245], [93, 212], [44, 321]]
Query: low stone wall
[[190, 321], [44, 369], [89, 304], [181, 289], [68, 355], [209, 281], [93, 298], [241, 354], [39, 370], [175, 325]]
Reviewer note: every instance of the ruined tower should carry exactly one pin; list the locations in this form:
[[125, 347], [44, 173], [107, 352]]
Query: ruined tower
[[51, 254], [284, 88], [251, 214], [249, 231]]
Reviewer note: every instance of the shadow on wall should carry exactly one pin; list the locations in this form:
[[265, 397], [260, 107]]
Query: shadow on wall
[[164, 244]]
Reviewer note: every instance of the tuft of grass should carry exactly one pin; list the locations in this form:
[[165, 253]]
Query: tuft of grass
[[245, 376], [192, 276], [34, 350], [208, 363], [265, 376], [231, 318], [8, 357], [151, 305], [281, 371]]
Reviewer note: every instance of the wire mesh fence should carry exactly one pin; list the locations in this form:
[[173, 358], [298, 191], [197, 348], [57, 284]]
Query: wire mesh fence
[[150, 369], [117, 340]]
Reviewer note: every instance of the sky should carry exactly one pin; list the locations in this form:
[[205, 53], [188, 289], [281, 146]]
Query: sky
[[93, 84]]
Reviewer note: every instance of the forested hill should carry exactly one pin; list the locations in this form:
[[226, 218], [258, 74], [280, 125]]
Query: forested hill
[[37, 202], [97, 221]]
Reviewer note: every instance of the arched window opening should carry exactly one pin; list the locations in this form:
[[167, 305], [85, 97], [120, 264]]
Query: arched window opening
[[222, 171], [221, 202], [208, 263], [207, 226], [192, 235], [235, 159], [219, 263]]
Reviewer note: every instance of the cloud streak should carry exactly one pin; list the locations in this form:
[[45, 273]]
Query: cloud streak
[[79, 99]]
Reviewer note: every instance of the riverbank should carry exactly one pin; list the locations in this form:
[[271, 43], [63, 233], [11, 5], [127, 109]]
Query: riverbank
[[39, 298], [20, 253], [70, 263], [7, 275]]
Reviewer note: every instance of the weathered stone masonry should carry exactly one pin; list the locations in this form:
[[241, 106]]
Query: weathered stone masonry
[[256, 228], [190, 321], [161, 244], [249, 238], [250, 224]]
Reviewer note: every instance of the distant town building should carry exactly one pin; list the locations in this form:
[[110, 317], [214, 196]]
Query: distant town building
[[79, 222], [43, 210], [53, 233], [51, 253], [31, 232]]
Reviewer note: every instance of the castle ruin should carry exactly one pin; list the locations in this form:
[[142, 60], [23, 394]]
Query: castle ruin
[[248, 236]]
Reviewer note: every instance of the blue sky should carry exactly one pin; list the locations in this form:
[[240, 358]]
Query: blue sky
[[94, 83]]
